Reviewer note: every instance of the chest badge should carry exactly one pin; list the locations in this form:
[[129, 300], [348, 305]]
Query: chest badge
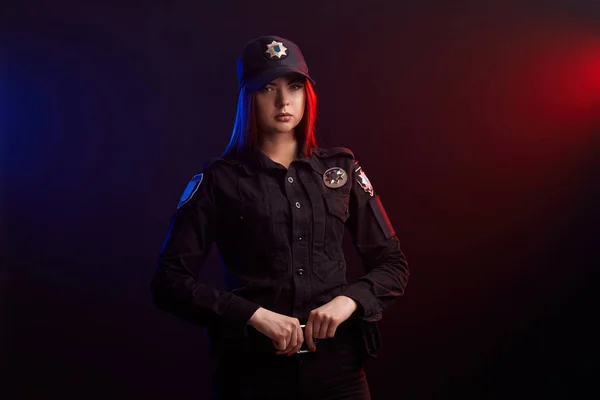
[[363, 181], [335, 177]]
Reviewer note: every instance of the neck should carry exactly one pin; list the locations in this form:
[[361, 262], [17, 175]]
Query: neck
[[281, 147]]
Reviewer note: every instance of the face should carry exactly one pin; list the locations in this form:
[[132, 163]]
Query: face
[[280, 104]]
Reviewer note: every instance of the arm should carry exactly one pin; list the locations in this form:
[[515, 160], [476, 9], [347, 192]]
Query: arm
[[175, 287], [378, 246]]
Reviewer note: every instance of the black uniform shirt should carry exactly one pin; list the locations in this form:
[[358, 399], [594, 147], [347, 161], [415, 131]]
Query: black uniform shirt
[[279, 233]]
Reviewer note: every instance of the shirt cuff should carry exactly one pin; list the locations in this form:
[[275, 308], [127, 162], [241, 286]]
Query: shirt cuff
[[239, 311], [368, 307]]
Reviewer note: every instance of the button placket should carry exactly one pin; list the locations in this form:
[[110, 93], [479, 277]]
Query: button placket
[[300, 245]]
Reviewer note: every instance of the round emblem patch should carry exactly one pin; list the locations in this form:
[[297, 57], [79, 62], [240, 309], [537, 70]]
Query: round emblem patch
[[335, 177]]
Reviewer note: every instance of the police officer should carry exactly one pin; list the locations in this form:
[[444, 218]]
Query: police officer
[[287, 323]]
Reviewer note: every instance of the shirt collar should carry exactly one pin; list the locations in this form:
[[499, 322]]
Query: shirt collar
[[253, 160]]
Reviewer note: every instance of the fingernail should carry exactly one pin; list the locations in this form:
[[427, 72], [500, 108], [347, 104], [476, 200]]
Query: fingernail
[[313, 349]]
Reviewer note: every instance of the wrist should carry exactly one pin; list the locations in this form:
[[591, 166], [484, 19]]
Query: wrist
[[256, 316], [352, 304]]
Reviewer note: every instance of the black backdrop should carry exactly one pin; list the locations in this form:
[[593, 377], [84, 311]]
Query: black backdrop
[[477, 122]]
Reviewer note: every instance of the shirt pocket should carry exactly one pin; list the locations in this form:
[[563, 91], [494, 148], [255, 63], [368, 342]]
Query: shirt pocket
[[253, 218], [335, 224], [265, 253]]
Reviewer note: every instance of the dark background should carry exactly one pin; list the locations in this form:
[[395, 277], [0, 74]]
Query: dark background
[[477, 122]]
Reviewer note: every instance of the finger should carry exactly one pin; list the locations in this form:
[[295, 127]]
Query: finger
[[280, 344], [300, 336], [308, 333], [331, 330], [299, 340], [327, 322], [317, 328], [325, 326], [291, 343]]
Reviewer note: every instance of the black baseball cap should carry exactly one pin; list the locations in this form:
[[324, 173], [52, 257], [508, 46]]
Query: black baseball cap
[[268, 57]]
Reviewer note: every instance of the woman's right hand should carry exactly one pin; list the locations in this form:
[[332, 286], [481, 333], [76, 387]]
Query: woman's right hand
[[284, 331]]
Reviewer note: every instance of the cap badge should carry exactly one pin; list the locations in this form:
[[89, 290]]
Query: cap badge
[[276, 49], [335, 177]]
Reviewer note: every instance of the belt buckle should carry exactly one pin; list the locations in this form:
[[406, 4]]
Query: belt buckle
[[303, 351]]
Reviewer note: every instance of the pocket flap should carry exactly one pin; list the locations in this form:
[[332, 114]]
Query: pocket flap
[[337, 204]]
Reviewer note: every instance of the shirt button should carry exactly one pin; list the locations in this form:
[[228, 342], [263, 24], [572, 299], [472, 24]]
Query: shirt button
[[291, 180], [300, 271], [300, 238], [369, 313], [297, 205]]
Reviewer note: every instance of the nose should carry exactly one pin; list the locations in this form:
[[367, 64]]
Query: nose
[[283, 99]]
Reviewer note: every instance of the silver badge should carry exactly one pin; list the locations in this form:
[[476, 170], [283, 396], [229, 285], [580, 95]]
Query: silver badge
[[276, 49], [335, 177], [363, 181]]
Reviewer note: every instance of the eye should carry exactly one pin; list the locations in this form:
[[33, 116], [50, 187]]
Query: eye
[[267, 88], [297, 85]]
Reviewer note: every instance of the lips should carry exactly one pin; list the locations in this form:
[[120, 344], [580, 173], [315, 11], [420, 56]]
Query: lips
[[283, 117]]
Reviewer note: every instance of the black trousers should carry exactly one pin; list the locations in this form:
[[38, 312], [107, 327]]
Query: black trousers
[[334, 371]]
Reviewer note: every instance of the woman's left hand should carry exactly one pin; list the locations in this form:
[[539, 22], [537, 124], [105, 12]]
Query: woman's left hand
[[323, 321]]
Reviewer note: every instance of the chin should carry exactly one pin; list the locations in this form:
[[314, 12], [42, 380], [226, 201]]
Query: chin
[[283, 127]]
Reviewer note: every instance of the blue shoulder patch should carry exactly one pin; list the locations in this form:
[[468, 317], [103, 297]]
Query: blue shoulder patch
[[190, 190]]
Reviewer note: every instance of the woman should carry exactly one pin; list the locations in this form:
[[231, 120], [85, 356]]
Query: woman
[[287, 323]]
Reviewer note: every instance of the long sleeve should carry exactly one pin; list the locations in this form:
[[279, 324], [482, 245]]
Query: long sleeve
[[175, 287], [386, 268]]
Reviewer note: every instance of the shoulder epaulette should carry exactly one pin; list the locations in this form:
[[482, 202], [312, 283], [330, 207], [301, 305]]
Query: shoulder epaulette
[[333, 151], [213, 160]]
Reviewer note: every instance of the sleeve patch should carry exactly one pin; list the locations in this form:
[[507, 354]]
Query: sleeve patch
[[363, 181], [190, 190]]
